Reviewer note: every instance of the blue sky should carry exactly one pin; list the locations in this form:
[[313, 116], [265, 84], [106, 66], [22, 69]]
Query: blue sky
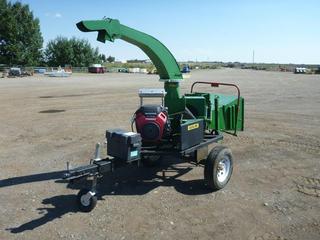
[[278, 31]]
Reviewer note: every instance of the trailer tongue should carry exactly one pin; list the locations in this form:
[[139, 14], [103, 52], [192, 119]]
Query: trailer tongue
[[180, 125]]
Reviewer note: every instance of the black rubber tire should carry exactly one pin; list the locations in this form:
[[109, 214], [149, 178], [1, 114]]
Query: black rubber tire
[[151, 161], [217, 154], [92, 204]]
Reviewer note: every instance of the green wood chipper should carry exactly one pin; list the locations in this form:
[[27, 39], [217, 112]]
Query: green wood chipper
[[182, 126]]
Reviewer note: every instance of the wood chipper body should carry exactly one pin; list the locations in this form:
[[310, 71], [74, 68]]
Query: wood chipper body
[[180, 125]]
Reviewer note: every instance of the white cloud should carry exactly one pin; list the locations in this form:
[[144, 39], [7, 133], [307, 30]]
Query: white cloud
[[57, 15], [53, 15]]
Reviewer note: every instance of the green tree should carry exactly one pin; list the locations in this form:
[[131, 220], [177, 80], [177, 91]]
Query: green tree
[[102, 57], [75, 52], [20, 36], [110, 59]]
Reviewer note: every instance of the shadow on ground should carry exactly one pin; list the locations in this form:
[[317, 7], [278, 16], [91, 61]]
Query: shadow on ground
[[125, 181], [39, 177], [61, 205]]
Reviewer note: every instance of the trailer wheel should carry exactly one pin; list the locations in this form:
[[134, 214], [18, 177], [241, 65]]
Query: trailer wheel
[[218, 167], [151, 161], [86, 200]]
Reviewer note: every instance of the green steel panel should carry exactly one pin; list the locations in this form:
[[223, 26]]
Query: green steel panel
[[226, 110], [197, 105]]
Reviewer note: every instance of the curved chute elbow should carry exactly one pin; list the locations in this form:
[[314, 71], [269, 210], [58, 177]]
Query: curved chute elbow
[[105, 28]]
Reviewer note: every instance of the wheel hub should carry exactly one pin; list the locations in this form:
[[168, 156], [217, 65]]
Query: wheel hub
[[85, 199], [223, 169]]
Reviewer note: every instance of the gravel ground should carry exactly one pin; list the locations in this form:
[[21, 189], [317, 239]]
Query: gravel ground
[[274, 192]]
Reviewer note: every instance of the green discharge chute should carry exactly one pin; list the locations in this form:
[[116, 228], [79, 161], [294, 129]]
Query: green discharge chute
[[111, 29]]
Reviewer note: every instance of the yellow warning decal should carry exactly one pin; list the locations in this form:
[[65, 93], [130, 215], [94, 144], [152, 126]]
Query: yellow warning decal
[[193, 126]]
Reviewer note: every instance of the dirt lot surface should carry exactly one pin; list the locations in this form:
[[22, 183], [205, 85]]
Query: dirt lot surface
[[274, 192]]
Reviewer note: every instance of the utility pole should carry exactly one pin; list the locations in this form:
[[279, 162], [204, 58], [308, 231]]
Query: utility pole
[[253, 57]]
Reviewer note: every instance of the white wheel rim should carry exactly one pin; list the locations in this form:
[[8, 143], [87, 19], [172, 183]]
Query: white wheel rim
[[223, 169], [85, 200]]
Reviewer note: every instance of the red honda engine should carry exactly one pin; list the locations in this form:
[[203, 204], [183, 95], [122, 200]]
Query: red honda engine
[[152, 122]]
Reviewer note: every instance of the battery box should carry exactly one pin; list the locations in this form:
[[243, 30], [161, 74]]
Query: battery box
[[123, 145]]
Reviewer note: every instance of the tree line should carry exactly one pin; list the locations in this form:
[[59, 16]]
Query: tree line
[[21, 42]]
